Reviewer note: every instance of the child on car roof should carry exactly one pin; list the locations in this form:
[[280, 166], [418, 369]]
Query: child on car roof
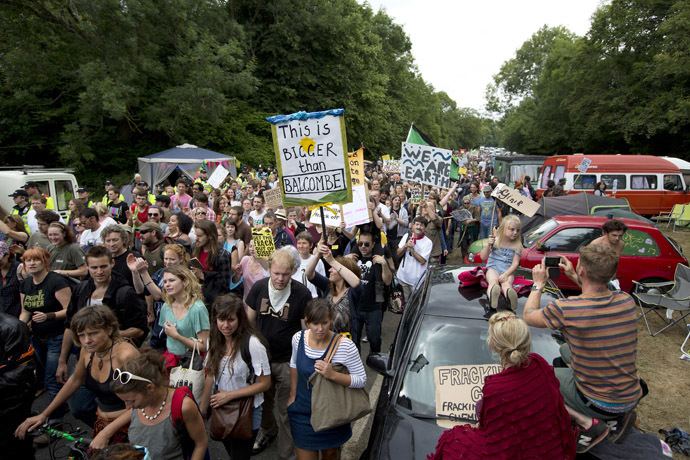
[[502, 254]]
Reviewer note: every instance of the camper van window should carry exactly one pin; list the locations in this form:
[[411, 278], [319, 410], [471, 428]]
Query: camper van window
[[672, 182], [559, 173], [545, 177], [63, 193], [609, 178], [571, 239], [646, 182], [585, 181]]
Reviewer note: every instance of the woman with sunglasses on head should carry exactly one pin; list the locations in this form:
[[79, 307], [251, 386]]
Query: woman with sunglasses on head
[[216, 272], [142, 384], [228, 375], [103, 349], [523, 400], [183, 316], [66, 257], [179, 226]]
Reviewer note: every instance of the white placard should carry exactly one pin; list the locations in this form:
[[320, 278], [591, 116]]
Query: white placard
[[332, 220], [218, 177], [584, 165], [515, 199], [615, 186], [426, 165], [357, 212]]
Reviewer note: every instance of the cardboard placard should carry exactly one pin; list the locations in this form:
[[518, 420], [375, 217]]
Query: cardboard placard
[[311, 153], [356, 167], [332, 220], [584, 165], [392, 166], [425, 164], [273, 198], [357, 212], [218, 176], [515, 199], [263, 242], [461, 215], [459, 388]]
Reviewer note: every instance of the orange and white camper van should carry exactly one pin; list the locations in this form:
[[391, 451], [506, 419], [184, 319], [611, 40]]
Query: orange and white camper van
[[652, 185]]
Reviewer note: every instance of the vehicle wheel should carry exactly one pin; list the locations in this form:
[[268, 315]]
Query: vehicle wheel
[[637, 289]]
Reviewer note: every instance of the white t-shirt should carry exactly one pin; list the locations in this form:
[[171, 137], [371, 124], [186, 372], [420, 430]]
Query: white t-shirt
[[386, 213], [410, 270], [237, 378], [33, 223], [257, 216], [91, 238], [301, 277]]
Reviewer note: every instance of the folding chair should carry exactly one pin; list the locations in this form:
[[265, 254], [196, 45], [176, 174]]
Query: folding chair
[[673, 216], [674, 296], [684, 219]]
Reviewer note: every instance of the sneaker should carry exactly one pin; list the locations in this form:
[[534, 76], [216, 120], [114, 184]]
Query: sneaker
[[365, 339], [512, 298], [620, 427], [262, 442], [494, 294], [42, 439], [586, 439]]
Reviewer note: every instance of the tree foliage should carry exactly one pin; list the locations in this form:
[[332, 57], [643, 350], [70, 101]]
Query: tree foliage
[[94, 85], [623, 88]]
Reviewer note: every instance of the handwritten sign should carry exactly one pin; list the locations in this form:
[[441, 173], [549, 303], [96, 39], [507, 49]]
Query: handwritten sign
[[273, 198], [357, 212], [218, 176], [416, 197], [459, 388], [425, 164], [584, 165], [391, 166], [515, 199], [332, 220], [311, 153], [356, 167], [461, 215], [263, 242]]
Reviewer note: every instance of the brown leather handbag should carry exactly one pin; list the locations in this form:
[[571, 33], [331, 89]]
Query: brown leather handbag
[[233, 419]]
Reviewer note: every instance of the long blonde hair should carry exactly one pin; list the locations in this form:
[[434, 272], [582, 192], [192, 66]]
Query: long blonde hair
[[192, 289], [510, 219]]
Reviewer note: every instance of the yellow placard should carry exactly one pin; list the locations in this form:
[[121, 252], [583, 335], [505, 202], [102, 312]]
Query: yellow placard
[[385, 157], [263, 242], [462, 171], [356, 167]]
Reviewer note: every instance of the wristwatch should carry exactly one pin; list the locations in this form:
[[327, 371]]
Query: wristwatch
[[537, 288]]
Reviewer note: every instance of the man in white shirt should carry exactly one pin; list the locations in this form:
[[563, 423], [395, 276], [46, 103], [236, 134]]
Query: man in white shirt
[[304, 244], [414, 253], [381, 211], [259, 211], [91, 236]]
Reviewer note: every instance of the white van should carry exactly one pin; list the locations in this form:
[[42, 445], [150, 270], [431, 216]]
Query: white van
[[59, 183]]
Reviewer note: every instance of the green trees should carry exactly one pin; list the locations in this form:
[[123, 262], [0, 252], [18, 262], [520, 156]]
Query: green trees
[[94, 85], [623, 88]]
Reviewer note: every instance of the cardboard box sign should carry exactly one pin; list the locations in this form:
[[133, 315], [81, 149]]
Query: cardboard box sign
[[515, 199]]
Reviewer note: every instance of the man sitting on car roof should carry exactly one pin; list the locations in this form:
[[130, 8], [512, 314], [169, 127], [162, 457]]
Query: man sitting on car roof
[[600, 328]]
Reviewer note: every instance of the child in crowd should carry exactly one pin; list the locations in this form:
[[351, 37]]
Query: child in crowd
[[502, 254]]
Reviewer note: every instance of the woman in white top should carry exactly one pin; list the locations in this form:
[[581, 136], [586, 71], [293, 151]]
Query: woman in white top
[[309, 348], [228, 374]]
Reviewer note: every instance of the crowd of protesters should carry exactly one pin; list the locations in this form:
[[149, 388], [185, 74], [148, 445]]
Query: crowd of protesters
[[178, 271]]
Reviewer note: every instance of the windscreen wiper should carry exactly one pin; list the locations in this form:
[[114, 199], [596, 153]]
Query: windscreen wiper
[[419, 363]]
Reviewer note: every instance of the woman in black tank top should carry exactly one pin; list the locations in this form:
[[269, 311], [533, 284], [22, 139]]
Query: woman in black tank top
[[96, 331]]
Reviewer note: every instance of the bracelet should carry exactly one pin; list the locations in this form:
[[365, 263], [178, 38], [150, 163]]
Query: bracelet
[[340, 268], [146, 284], [50, 316]]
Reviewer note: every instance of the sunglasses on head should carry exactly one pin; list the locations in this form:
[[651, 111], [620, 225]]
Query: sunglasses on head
[[125, 377], [366, 244]]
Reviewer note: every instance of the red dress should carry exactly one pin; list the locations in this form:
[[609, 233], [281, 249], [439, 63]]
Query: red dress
[[522, 416]]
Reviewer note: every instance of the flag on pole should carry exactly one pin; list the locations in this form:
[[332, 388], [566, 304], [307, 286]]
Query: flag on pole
[[415, 136]]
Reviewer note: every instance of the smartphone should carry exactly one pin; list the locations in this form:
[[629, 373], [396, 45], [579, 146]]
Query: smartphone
[[194, 263], [551, 264]]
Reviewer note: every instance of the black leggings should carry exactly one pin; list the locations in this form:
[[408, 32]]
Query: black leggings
[[240, 449]]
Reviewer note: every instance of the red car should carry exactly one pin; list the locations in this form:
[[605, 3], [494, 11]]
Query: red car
[[648, 255]]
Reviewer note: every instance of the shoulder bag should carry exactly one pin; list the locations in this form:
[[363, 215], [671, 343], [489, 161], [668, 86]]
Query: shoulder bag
[[189, 376], [332, 404]]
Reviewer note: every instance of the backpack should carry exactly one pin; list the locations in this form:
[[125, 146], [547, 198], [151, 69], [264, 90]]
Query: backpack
[[178, 423]]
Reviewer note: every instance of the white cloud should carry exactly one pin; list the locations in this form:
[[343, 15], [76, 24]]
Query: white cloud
[[459, 45]]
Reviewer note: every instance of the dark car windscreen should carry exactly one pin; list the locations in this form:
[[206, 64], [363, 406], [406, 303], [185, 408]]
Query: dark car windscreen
[[444, 341]]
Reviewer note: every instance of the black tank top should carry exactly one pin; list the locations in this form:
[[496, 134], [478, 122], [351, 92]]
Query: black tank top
[[107, 400]]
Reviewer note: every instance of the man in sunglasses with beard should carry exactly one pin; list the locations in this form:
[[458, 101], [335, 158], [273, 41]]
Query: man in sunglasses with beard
[[376, 272]]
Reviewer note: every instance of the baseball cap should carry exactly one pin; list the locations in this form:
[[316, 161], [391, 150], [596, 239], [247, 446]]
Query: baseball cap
[[202, 170], [486, 189], [19, 192], [82, 189], [143, 182], [31, 184], [109, 182], [150, 226], [163, 199]]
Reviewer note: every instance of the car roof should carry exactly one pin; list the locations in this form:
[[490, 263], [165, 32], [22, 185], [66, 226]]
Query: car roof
[[601, 220], [445, 296]]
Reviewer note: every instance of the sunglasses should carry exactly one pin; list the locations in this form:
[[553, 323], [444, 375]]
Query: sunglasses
[[366, 244], [125, 377], [144, 232], [200, 213], [153, 215]]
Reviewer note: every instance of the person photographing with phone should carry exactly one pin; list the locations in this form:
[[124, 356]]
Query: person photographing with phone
[[502, 254], [414, 251]]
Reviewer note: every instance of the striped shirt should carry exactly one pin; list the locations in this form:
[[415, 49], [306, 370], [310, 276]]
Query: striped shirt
[[601, 331]]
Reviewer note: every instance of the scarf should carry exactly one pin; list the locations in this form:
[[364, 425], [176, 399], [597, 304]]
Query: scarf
[[278, 297]]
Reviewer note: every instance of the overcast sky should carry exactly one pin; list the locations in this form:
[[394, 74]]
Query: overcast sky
[[459, 45]]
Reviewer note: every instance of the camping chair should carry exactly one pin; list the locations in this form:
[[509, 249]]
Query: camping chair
[[670, 295], [675, 215]]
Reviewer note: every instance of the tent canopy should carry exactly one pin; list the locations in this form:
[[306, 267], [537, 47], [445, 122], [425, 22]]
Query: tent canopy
[[575, 204], [155, 168]]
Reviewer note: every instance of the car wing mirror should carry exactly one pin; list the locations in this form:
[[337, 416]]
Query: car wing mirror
[[541, 247], [379, 363]]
